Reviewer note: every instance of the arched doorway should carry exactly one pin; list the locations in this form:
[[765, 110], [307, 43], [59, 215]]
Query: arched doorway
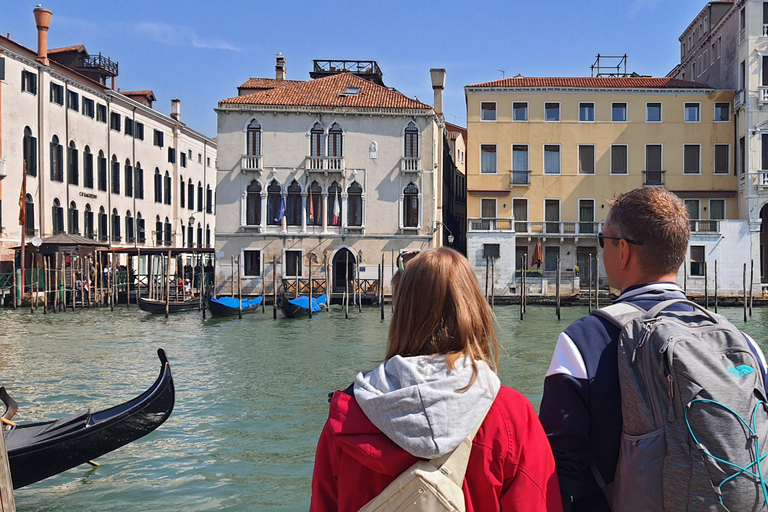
[[343, 270], [764, 243]]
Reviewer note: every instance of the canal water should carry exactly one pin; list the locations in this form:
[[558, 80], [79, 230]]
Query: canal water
[[251, 396]]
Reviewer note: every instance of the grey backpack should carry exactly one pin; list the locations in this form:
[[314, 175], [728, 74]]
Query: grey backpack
[[695, 419]]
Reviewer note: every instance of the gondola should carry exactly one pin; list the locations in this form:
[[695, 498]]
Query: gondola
[[298, 307], [40, 450], [174, 306], [228, 306]]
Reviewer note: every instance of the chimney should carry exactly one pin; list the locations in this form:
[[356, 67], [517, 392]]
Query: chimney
[[280, 67], [438, 84], [43, 21], [176, 109]]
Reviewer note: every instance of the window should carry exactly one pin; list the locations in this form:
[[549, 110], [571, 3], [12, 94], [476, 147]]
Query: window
[[722, 158], [191, 195], [742, 19], [488, 158], [73, 177], [139, 181], [115, 175], [717, 209], [129, 228], [30, 152], [57, 160], [199, 158], [141, 228], [190, 154], [519, 111], [551, 159], [158, 231], [57, 93], [691, 159], [101, 113], [334, 204], [692, 205], [158, 186], [552, 215], [102, 172], [692, 113], [488, 111], [586, 112], [29, 215], [293, 204], [619, 112], [335, 144], [411, 141], [253, 139], [171, 155], [28, 82], [74, 221], [355, 204], [199, 235], [88, 107], [88, 222], [73, 101], [128, 178], [87, 168], [317, 140], [586, 215], [129, 127], [722, 112], [293, 263], [742, 155], [167, 232], [488, 208], [57, 217], [139, 130], [653, 157], [764, 151], [253, 204], [252, 263], [586, 159], [551, 255], [114, 121], [491, 251], [314, 204], [158, 141], [182, 159], [552, 112], [182, 192], [411, 206], [274, 200], [653, 112], [520, 157], [764, 76], [199, 197], [167, 188], [103, 225], [697, 260], [520, 213]]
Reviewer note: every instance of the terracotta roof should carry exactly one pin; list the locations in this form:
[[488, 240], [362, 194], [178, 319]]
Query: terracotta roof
[[596, 82], [138, 93], [331, 92], [454, 129], [266, 83], [76, 48]]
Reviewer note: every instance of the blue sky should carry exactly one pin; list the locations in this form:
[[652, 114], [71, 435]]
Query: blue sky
[[201, 51]]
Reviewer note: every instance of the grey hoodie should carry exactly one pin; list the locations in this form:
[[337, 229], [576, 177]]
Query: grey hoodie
[[414, 402]]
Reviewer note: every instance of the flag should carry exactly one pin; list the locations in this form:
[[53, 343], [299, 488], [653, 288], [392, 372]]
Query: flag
[[336, 210], [23, 197], [311, 207], [538, 256], [281, 210]]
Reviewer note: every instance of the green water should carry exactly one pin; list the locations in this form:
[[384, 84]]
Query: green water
[[251, 396]]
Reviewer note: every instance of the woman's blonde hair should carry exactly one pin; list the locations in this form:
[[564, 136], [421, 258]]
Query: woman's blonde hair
[[439, 309]]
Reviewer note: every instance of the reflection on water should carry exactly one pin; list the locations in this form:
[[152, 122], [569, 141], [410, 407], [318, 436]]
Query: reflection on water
[[251, 396]]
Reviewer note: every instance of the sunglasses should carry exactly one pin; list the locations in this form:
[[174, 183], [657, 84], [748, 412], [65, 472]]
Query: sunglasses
[[601, 238]]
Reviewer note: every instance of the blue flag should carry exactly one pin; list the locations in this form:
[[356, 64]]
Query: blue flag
[[281, 211]]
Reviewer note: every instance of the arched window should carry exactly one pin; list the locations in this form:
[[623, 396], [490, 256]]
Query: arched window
[[199, 196], [317, 140], [30, 152], [141, 229], [167, 188], [274, 198], [57, 217], [190, 235], [57, 160], [314, 205], [411, 206], [115, 175], [199, 235], [87, 167], [73, 177], [253, 139], [128, 180], [182, 192], [103, 225], [74, 220], [208, 199], [139, 179], [29, 215], [115, 226], [293, 204], [355, 204], [88, 222], [102, 172], [207, 235], [335, 146], [411, 141], [129, 231], [191, 195], [167, 234], [158, 231], [158, 187], [334, 204], [253, 204]]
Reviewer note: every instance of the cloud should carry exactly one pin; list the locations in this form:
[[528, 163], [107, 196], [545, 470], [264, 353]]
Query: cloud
[[641, 5], [179, 35]]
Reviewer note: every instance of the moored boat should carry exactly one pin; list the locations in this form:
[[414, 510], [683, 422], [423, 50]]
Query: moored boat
[[299, 306], [229, 306], [158, 306]]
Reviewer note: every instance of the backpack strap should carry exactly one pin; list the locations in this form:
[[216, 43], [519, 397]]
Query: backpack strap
[[620, 313], [658, 308]]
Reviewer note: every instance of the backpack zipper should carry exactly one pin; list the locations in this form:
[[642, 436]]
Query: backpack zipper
[[647, 369]]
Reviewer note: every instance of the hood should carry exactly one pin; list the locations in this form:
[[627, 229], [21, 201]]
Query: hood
[[414, 401]]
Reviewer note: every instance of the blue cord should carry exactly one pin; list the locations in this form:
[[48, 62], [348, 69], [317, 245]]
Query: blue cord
[[741, 470]]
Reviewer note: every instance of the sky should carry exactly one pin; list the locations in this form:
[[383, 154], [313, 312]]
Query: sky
[[200, 51]]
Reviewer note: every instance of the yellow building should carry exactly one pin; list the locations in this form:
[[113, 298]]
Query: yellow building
[[545, 155]]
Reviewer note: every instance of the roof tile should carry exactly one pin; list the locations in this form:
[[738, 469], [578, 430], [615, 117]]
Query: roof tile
[[596, 82]]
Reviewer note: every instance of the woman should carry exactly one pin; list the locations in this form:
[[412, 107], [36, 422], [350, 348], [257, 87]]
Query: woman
[[435, 386]]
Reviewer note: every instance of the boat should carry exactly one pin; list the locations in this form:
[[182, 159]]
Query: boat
[[299, 306], [40, 450], [228, 306], [174, 306]]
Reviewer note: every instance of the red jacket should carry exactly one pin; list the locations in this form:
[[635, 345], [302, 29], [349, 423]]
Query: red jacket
[[510, 467]]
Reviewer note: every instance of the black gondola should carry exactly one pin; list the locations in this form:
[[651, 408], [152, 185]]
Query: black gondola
[[228, 306], [298, 307], [158, 306], [40, 450]]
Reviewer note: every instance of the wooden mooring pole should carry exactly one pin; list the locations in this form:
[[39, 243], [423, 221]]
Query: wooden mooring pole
[[706, 286], [715, 286], [167, 276], [381, 286], [589, 279], [15, 290], [493, 281], [487, 266], [522, 285], [309, 261], [239, 292], [7, 503], [751, 283], [525, 283], [745, 292], [557, 289], [274, 289]]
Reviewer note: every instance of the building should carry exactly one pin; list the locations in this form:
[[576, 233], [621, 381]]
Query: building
[[339, 171], [455, 187], [99, 162], [726, 46], [545, 155]]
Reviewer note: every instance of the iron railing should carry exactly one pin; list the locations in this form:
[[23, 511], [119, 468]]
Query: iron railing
[[653, 178], [519, 178]]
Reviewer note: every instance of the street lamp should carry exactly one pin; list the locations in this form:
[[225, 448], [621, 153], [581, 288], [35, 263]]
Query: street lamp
[[451, 238]]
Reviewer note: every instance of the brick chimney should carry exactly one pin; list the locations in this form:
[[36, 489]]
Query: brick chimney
[[280, 67], [176, 109], [43, 21], [438, 84]]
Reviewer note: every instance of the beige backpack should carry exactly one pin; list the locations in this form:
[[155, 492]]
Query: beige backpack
[[429, 485]]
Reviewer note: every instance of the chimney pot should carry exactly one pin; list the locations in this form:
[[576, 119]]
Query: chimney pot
[[176, 109], [438, 84], [280, 67], [43, 22]]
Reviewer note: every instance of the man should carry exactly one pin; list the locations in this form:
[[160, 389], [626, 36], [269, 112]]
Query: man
[[644, 242]]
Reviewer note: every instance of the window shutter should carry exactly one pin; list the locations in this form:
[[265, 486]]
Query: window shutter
[[2, 68]]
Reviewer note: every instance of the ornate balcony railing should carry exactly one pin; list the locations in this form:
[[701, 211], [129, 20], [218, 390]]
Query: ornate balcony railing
[[653, 178], [410, 164], [763, 95], [543, 228], [325, 163], [250, 163], [98, 62], [705, 226], [490, 224]]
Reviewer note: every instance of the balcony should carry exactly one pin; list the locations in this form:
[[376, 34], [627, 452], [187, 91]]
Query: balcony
[[410, 164], [490, 224], [762, 95], [519, 178], [765, 29], [762, 180], [569, 229], [250, 163], [325, 164], [653, 178], [98, 62], [705, 226]]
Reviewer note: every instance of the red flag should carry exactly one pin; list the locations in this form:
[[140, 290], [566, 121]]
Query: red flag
[[23, 196]]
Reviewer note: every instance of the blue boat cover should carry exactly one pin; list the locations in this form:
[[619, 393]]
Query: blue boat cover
[[303, 302], [231, 302]]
